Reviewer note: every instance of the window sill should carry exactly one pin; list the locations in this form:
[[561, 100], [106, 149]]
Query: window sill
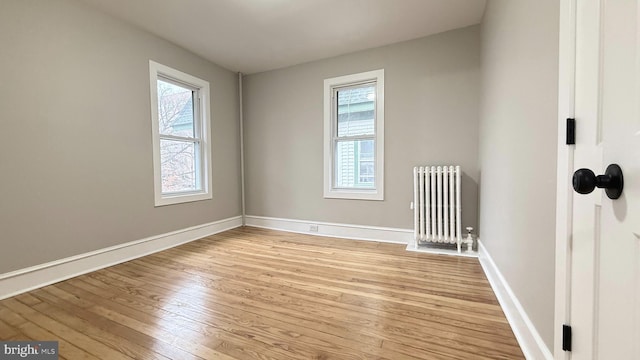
[[182, 198], [354, 194]]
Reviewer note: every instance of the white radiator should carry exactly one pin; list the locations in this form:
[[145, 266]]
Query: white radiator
[[436, 205]]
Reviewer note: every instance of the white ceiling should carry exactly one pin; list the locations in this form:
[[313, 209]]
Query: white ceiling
[[257, 35]]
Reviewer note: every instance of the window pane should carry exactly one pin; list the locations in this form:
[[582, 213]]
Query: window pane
[[175, 109], [366, 149], [354, 164], [356, 111], [367, 174], [178, 166]]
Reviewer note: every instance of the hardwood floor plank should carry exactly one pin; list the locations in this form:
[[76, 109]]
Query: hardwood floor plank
[[81, 297], [126, 342], [10, 317], [8, 331], [251, 293], [28, 299], [65, 348], [62, 331]]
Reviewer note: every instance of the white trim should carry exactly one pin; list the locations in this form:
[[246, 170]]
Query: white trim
[[348, 231], [204, 125], [241, 118], [23, 280], [528, 337], [357, 194], [564, 193]]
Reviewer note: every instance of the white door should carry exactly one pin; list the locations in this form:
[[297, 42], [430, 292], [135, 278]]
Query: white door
[[604, 270]]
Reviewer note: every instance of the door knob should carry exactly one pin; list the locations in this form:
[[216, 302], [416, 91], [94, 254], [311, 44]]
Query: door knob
[[584, 181]]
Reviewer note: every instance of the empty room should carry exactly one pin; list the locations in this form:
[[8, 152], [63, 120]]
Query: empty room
[[319, 179]]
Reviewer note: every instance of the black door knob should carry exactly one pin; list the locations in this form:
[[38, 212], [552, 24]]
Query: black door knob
[[584, 181]]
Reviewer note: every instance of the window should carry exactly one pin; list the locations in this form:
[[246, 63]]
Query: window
[[354, 136], [181, 127]]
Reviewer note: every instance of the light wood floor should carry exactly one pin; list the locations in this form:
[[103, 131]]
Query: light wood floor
[[259, 294]]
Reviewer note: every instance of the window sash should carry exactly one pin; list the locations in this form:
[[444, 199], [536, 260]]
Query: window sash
[[196, 140], [335, 106], [197, 165], [197, 103], [355, 138], [356, 162]]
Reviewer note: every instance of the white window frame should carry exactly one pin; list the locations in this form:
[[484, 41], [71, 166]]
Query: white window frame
[[330, 136], [202, 124]]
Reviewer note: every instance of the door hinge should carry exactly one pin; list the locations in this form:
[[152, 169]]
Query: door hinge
[[571, 131], [566, 337]]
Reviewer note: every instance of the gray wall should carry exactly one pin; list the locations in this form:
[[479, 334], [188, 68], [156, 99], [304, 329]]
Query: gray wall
[[75, 141], [431, 117], [518, 149]]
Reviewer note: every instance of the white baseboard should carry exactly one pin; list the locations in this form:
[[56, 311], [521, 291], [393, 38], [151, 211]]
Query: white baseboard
[[528, 337], [348, 231], [23, 280]]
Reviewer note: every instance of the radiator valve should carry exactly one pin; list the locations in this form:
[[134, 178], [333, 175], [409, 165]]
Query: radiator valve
[[469, 239]]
